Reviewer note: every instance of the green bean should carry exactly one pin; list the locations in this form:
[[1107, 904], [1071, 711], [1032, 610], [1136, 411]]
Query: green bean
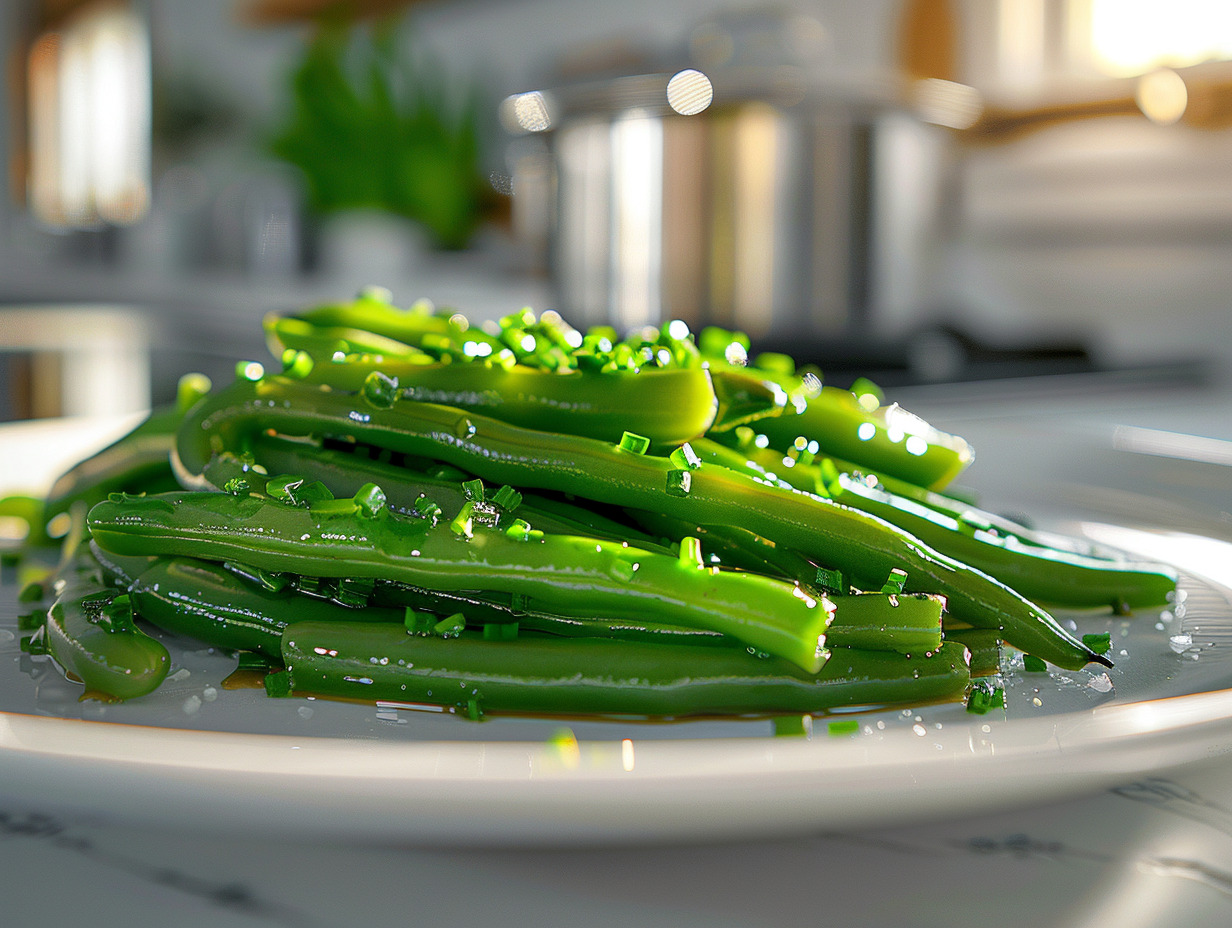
[[556, 574], [344, 473], [905, 622], [597, 676], [887, 440], [861, 546], [984, 646], [91, 634], [371, 314], [806, 471], [208, 602], [597, 404], [1044, 574]]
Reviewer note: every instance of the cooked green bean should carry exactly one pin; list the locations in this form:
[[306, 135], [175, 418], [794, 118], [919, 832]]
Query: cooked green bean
[[1043, 574], [522, 517], [91, 634], [596, 675], [557, 574], [861, 546]]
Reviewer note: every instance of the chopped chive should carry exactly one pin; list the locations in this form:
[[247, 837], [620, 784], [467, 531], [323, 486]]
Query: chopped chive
[[844, 727], [830, 580], [436, 343], [636, 444], [418, 623], [862, 386], [463, 523], [1099, 643], [296, 364], [691, 552], [685, 457], [746, 438], [376, 294], [504, 359], [331, 505], [507, 499], [473, 489], [473, 710], [895, 582], [793, 726], [450, 627], [371, 501], [519, 529], [1033, 664], [237, 486], [425, 507], [776, 363], [278, 684], [679, 482], [284, 488], [191, 387], [985, 697]]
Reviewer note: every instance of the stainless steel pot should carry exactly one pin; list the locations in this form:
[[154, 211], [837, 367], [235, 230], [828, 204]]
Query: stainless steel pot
[[788, 207], [794, 207]]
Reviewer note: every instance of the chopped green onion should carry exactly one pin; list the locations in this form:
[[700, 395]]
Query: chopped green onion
[[506, 498], [636, 444], [895, 582], [793, 726], [1099, 643]]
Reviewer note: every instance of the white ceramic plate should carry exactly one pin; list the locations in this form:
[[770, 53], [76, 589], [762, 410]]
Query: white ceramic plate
[[195, 755]]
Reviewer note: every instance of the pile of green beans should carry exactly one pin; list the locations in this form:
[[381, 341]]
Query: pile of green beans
[[525, 518]]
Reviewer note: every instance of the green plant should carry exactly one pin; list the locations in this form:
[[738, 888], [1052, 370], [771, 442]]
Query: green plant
[[371, 127]]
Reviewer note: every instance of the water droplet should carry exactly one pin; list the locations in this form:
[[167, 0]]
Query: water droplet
[[1101, 683], [305, 712], [919, 730]]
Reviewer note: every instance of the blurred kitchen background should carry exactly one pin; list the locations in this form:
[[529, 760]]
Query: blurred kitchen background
[[916, 190]]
